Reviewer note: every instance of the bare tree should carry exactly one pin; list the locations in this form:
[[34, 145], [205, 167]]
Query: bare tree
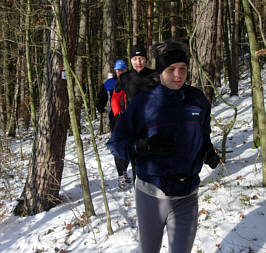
[[235, 39], [29, 66], [219, 45], [89, 209], [135, 21], [80, 61], [149, 27], [173, 12], [43, 182], [109, 34], [205, 45]]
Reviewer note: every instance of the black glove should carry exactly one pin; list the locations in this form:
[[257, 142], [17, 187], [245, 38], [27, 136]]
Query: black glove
[[158, 144], [211, 158]]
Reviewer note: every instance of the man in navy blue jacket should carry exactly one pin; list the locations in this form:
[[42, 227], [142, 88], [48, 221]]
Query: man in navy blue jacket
[[167, 132]]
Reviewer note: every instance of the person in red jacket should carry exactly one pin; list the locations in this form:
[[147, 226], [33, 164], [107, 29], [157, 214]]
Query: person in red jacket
[[106, 93], [107, 89]]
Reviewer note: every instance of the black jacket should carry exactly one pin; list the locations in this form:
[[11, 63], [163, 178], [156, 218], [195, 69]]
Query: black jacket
[[132, 82], [104, 98]]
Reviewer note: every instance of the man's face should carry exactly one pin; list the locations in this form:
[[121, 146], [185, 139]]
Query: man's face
[[118, 72], [174, 76], [138, 63]]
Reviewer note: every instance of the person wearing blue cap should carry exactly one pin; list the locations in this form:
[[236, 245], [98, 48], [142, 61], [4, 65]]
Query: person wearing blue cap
[[120, 67], [104, 99], [106, 91], [166, 130]]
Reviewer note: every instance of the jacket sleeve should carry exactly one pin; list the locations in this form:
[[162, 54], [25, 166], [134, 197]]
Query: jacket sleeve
[[116, 101], [124, 134], [102, 100]]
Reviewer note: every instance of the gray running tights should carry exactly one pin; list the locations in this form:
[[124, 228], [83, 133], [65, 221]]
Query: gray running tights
[[180, 217]]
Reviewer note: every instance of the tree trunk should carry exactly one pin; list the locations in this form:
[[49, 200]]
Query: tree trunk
[[93, 47], [205, 46], [257, 85], [108, 37], [8, 72], [156, 22], [219, 44], [6, 77], [4, 61], [149, 27], [80, 65], [29, 69], [109, 34], [226, 39], [91, 92], [135, 21], [24, 111], [173, 13], [235, 39]]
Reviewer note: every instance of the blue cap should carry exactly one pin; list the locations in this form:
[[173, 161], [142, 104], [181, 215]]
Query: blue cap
[[120, 64]]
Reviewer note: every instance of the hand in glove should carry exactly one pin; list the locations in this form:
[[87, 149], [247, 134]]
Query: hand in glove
[[211, 158], [158, 144]]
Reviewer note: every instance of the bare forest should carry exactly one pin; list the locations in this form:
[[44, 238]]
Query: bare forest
[[56, 54]]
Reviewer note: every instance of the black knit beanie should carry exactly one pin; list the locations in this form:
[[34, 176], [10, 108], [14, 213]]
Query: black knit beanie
[[165, 60], [137, 50]]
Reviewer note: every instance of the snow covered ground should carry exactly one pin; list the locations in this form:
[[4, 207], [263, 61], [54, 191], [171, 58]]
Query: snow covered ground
[[232, 204]]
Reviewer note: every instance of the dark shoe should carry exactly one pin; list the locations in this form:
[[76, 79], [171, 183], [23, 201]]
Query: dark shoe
[[127, 179]]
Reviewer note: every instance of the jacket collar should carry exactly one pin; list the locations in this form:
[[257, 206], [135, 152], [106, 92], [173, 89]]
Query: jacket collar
[[162, 90], [142, 72], [171, 92]]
